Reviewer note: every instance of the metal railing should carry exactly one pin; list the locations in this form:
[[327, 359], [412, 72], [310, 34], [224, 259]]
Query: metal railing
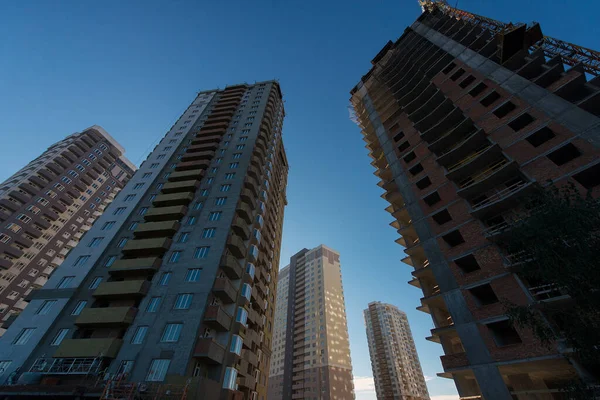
[[490, 170], [67, 366], [500, 194]]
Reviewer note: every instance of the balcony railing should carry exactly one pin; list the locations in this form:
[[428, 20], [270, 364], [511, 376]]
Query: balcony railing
[[546, 292], [500, 194], [67, 366], [471, 180]]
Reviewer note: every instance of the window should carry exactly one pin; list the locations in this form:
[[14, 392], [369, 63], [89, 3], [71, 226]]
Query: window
[[423, 183], [108, 225], [171, 333], [208, 233], [95, 282], [147, 175], [504, 334], [432, 199], [218, 160], [183, 301], [158, 370], [139, 335], [193, 275], [241, 315], [214, 170], [129, 197], [417, 169], [409, 157], [210, 180], [66, 180], [236, 344], [490, 99], [46, 307], [154, 165], [122, 242], [457, 74], [521, 122], [246, 290], [133, 226], [183, 237], [540, 137], [234, 165], [190, 221], [79, 307], [95, 242], [201, 252], [175, 256], [139, 185], [110, 261], [24, 336], [73, 173], [24, 218], [589, 178], [219, 201], [467, 81], [240, 147], [81, 260], [59, 337], [225, 188], [143, 211], [243, 139], [484, 294], [453, 238], [230, 175], [504, 109], [160, 156], [442, 217], [403, 146], [165, 278], [119, 211], [237, 156], [449, 68], [565, 154], [214, 216], [229, 381], [153, 305], [477, 90], [398, 136]]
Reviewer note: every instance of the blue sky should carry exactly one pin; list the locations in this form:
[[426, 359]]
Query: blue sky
[[133, 66]]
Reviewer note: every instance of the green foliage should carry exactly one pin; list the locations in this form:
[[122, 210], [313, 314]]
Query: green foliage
[[557, 237]]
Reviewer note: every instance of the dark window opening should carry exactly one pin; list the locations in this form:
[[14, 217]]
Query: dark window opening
[[467, 264], [404, 146], [467, 81], [453, 238], [423, 183], [484, 294], [490, 99], [540, 137], [432, 199], [493, 221], [504, 109], [477, 90], [442, 217], [589, 178], [409, 157], [565, 154], [504, 334], [417, 169], [398, 136], [449, 68], [521, 122], [457, 74]]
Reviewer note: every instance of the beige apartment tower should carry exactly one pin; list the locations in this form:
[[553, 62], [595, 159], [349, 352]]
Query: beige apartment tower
[[311, 352], [396, 367]]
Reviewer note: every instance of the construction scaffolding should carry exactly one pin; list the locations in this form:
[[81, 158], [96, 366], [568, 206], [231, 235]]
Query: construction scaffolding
[[121, 389], [571, 54]]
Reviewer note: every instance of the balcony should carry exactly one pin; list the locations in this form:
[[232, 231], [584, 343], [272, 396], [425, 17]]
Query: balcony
[[106, 317], [216, 318], [503, 199], [147, 247], [157, 229], [250, 357], [174, 199], [84, 348], [166, 213], [549, 293], [231, 267], [454, 361], [181, 186], [245, 212], [250, 338], [21, 304], [247, 381], [241, 228], [192, 174], [209, 351], [207, 140], [236, 246], [492, 175], [190, 165], [39, 282], [474, 161], [135, 266], [192, 155], [122, 289], [224, 290]]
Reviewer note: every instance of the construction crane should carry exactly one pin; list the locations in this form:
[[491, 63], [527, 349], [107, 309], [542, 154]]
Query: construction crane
[[570, 53]]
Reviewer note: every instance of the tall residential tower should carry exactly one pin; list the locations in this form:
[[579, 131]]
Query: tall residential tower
[[175, 282], [311, 352], [463, 116], [47, 206], [394, 359]]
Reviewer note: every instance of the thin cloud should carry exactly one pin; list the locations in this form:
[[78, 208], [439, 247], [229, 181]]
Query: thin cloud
[[445, 397], [364, 384]]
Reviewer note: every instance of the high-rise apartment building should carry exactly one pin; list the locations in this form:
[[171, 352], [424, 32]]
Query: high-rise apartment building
[[47, 206], [396, 368], [464, 115], [311, 351], [175, 282]]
